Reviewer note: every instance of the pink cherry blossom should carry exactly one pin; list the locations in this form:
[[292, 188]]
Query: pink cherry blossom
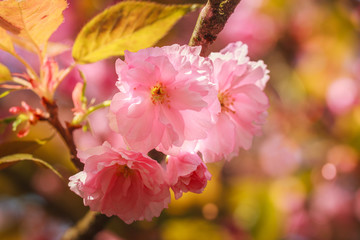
[[186, 173], [165, 97], [120, 182], [240, 85]]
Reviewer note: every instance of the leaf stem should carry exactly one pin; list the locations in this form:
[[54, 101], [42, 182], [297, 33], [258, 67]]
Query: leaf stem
[[211, 21]]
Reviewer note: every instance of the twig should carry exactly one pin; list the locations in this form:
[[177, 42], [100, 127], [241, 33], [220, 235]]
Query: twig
[[66, 133], [211, 21], [87, 227]]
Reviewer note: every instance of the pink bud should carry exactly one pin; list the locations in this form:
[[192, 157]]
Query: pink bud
[[186, 173]]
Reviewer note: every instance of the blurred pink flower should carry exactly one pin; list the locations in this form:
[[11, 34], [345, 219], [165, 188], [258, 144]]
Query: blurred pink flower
[[342, 95], [331, 200], [186, 173], [240, 85], [279, 155], [165, 97], [247, 24], [120, 182], [107, 235]]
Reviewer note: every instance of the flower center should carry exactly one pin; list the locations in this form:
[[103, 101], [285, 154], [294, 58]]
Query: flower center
[[123, 170], [158, 93], [226, 100]]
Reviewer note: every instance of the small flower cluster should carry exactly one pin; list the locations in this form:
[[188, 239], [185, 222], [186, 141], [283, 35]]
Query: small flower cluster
[[175, 101], [26, 116]]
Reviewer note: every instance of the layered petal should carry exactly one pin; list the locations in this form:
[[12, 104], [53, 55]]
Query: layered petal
[[165, 97], [240, 85], [186, 172], [118, 182]]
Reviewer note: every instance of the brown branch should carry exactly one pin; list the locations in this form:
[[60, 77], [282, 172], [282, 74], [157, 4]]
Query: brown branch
[[87, 227], [66, 133], [211, 21]]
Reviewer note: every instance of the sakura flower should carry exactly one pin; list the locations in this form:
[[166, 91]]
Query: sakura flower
[[240, 85], [120, 182], [165, 97], [186, 173]]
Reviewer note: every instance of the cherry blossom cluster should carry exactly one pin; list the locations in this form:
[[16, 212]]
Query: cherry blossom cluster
[[193, 109]]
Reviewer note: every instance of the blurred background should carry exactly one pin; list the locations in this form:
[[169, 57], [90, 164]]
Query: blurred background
[[299, 181]]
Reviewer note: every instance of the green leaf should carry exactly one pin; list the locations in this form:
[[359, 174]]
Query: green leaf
[[15, 158], [127, 25], [5, 74]]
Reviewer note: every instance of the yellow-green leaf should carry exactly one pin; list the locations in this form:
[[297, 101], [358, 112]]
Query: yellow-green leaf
[[5, 74], [34, 20], [15, 158], [127, 25], [5, 41]]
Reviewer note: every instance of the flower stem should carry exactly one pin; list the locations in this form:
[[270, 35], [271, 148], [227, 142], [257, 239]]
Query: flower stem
[[211, 21], [91, 110], [97, 107]]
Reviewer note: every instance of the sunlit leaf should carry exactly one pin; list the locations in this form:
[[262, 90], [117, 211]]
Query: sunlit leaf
[[5, 41], [126, 26], [15, 158], [34, 20], [5, 74]]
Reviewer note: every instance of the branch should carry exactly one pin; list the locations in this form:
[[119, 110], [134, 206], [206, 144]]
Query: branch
[[211, 21], [66, 133], [87, 227]]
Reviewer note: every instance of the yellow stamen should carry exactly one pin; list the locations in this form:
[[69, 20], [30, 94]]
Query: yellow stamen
[[123, 170], [226, 100], [158, 93]]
